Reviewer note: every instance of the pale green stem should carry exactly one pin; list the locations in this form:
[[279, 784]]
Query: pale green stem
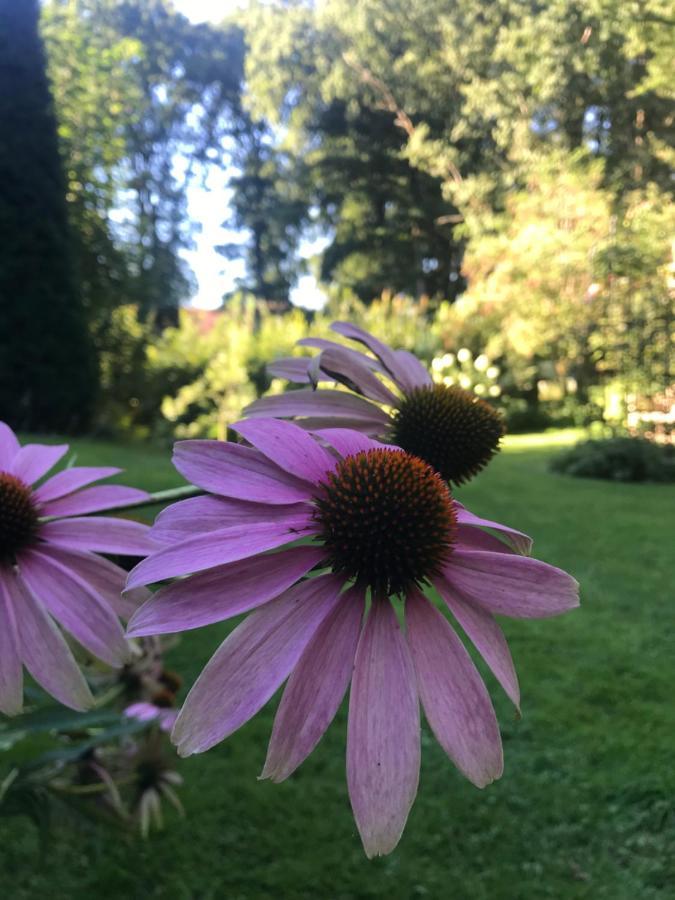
[[168, 496]]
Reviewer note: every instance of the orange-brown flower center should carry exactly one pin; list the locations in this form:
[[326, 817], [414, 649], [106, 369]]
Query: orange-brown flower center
[[18, 517], [387, 520], [450, 428]]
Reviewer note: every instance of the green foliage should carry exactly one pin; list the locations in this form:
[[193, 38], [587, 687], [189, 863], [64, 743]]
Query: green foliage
[[122, 354], [415, 122], [136, 85], [194, 379], [230, 358], [47, 369], [618, 459]]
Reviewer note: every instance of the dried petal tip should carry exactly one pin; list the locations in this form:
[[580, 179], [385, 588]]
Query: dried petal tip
[[449, 428]]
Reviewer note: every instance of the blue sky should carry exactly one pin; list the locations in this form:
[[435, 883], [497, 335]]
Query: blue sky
[[208, 207]]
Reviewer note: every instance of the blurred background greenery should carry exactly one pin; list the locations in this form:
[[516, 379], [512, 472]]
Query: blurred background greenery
[[490, 177]]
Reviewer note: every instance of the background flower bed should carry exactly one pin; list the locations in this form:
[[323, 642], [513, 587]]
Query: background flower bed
[[587, 808]]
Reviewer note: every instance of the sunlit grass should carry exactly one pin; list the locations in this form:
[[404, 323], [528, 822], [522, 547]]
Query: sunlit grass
[[546, 439]]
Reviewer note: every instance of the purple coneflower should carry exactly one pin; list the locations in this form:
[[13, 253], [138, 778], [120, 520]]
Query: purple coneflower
[[451, 429], [375, 523], [50, 570]]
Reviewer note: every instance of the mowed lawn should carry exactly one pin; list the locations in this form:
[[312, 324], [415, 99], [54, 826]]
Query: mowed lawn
[[586, 806]]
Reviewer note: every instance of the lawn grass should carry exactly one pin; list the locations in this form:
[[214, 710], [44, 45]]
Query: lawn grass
[[585, 808]]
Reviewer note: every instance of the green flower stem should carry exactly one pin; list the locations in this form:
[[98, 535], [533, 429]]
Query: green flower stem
[[168, 496]]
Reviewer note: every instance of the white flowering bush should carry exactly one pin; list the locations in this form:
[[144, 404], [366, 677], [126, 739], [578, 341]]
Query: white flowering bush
[[478, 374]]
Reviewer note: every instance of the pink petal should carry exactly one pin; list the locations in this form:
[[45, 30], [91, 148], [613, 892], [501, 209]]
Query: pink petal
[[9, 447], [45, 653], [316, 688], [288, 447], [520, 542], [96, 499], [411, 372], [142, 711], [455, 700], [486, 636], [323, 344], [72, 480], [293, 369], [324, 403], [220, 547], [398, 366], [251, 663], [236, 471], [200, 515], [471, 538], [75, 605], [222, 592], [101, 534], [511, 585], [356, 375], [35, 460], [314, 423], [11, 669], [105, 578], [348, 442], [383, 737]]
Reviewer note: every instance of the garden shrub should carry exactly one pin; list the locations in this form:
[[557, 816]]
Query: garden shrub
[[618, 459]]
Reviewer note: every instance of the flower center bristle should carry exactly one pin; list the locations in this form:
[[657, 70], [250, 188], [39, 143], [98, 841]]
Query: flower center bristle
[[387, 520], [18, 517], [449, 428]]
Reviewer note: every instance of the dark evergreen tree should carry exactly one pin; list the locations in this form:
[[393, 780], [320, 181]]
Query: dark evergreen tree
[[47, 366]]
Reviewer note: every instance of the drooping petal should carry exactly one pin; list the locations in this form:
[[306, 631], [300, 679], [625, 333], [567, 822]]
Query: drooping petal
[[294, 369], [35, 460], [220, 547], [251, 663], [287, 446], [520, 542], [235, 471], [323, 403], [487, 637], [383, 737], [347, 442], [200, 515], [356, 375], [11, 668], [397, 366], [455, 700], [95, 499], [222, 592], [105, 578], [471, 538], [323, 344], [72, 480], [315, 423], [73, 603], [511, 585], [411, 373], [9, 446], [44, 651], [316, 688], [101, 534]]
